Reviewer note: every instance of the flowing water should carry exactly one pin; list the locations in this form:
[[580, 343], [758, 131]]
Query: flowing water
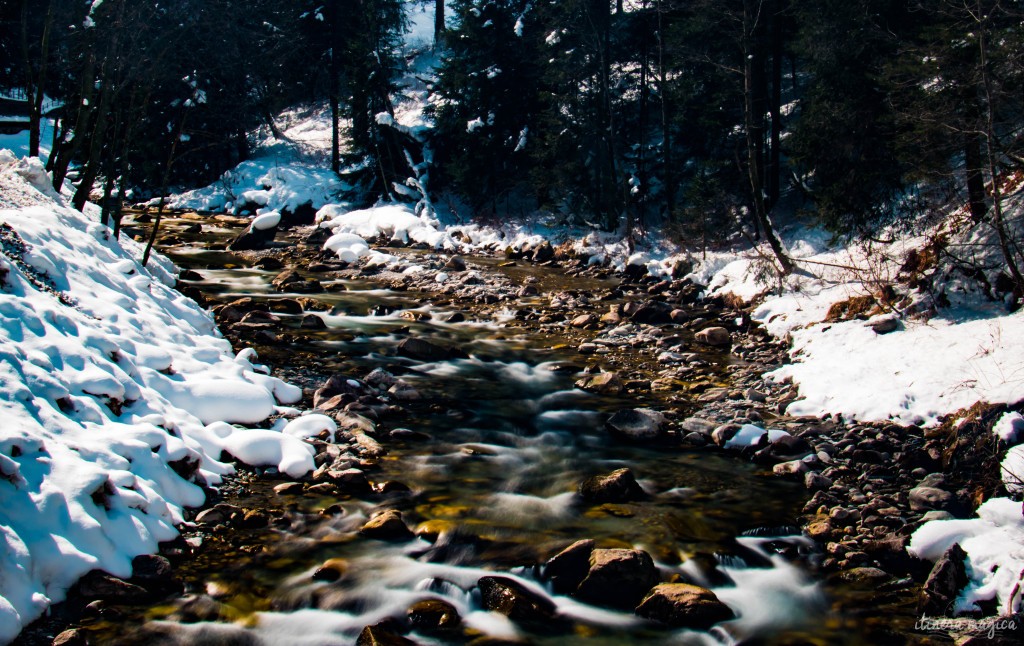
[[506, 441]]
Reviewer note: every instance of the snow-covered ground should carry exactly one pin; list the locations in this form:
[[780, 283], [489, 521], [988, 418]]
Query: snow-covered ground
[[112, 384]]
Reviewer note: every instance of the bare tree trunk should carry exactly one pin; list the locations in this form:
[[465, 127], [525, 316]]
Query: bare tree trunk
[[1006, 242], [335, 70], [666, 120], [753, 115], [438, 23], [774, 151]]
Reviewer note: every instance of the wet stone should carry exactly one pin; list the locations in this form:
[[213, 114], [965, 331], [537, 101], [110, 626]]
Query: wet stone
[[567, 569], [422, 350], [71, 637], [947, 578], [510, 598], [714, 336], [616, 487], [636, 424], [605, 383], [618, 578], [382, 636], [682, 605], [388, 526], [433, 615]]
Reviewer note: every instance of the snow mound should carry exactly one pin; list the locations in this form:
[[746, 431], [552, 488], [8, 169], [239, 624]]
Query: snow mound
[[263, 185], [112, 384], [995, 553]]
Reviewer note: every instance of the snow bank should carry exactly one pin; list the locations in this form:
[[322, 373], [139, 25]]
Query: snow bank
[[265, 184], [111, 384], [995, 553]]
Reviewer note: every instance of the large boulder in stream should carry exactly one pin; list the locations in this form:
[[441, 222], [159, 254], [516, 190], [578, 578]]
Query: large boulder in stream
[[682, 605], [567, 569], [618, 578]]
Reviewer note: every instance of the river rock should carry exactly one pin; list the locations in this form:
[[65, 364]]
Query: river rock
[[100, 585], [433, 615], [312, 322], [331, 570], [947, 578], [455, 264], [253, 239], [381, 635], [70, 637], [423, 350], [584, 321], [932, 498], [714, 336], [652, 313], [682, 605], [510, 598], [387, 526], [618, 578], [567, 569], [290, 281], [636, 424], [604, 383], [544, 252], [616, 487], [154, 573]]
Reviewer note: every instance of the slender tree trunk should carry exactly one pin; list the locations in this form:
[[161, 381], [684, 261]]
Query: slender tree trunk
[[438, 23], [666, 120], [753, 114], [775, 106], [1006, 241], [335, 71]]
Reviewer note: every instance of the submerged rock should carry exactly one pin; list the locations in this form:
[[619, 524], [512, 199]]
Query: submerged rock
[[422, 350], [636, 424]]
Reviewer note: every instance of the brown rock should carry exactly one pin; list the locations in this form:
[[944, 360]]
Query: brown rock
[[387, 526], [682, 605], [381, 636], [604, 383], [433, 615], [616, 487], [618, 578], [510, 598], [714, 336], [944, 583], [70, 637], [567, 569]]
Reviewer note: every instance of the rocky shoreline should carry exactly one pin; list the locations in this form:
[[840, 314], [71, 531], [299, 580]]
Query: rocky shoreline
[[868, 485]]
